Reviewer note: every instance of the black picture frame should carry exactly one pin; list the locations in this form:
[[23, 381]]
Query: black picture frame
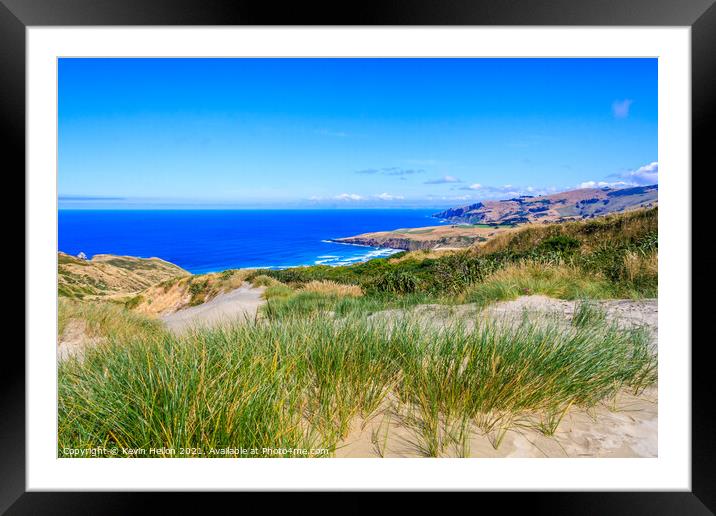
[[700, 15]]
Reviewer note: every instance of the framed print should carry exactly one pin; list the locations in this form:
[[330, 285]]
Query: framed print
[[415, 248]]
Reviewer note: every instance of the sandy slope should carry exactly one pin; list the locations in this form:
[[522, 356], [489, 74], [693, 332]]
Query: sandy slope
[[626, 313], [624, 427], [240, 303]]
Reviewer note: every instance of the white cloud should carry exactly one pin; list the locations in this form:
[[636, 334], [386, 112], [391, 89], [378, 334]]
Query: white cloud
[[602, 184], [620, 108], [456, 198], [642, 176], [388, 197], [504, 191], [646, 175], [349, 197], [354, 197], [588, 184]]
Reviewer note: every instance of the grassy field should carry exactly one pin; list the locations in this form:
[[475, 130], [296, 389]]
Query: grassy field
[[293, 381]]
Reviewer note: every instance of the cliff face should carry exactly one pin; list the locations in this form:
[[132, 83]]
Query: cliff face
[[575, 204], [393, 243], [414, 239], [408, 244]]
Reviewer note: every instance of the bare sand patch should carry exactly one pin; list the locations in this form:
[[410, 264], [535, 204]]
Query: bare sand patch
[[625, 427], [74, 340], [626, 313], [238, 304]]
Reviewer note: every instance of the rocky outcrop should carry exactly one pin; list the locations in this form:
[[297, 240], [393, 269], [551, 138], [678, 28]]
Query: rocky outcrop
[[411, 244], [405, 244]]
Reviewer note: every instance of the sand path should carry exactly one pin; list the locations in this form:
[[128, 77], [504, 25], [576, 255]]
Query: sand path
[[241, 303]]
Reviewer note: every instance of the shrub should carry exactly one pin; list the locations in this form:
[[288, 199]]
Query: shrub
[[196, 287], [395, 281], [454, 273], [560, 244], [132, 302]]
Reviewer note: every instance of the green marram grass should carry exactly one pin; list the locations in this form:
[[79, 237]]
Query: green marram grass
[[301, 382]]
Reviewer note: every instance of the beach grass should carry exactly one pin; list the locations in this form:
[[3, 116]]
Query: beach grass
[[285, 303], [301, 382], [104, 319], [531, 277]]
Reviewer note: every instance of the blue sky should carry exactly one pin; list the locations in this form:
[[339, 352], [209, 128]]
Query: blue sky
[[247, 133]]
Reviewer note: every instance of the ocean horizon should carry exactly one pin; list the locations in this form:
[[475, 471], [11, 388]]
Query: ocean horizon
[[212, 240]]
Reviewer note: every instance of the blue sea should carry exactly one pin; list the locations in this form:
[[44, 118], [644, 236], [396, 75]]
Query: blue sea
[[213, 240]]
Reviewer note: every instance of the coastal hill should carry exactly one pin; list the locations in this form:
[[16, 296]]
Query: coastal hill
[[559, 207], [479, 222], [431, 237], [107, 274]]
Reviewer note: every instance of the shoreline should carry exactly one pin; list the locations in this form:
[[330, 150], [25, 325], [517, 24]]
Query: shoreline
[[302, 242], [344, 261]]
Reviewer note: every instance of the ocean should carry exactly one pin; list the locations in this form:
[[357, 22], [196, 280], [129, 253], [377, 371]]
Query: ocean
[[213, 240]]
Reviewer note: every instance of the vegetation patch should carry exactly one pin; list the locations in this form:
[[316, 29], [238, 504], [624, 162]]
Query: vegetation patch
[[105, 319], [611, 256], [588, 313], [301, 383], [528, 278]]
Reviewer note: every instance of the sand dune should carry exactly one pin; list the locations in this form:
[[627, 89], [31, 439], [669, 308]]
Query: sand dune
[[241, 303], [625, 428]]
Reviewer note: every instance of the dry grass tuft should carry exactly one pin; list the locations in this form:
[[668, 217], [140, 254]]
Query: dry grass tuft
[[332, 288], [262, 280], [638, 265]]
